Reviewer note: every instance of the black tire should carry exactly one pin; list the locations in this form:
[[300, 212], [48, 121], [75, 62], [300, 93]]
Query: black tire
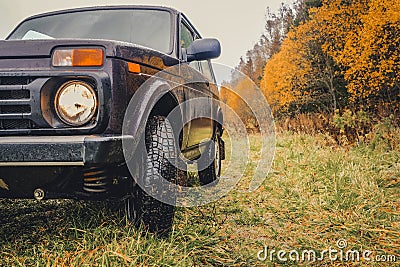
[[209, 164], [155, 216]]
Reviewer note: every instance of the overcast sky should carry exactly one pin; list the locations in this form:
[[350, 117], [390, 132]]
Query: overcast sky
[[237, 24]]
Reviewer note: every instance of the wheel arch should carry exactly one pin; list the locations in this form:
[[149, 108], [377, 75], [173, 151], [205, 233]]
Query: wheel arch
[[164, 106], [157, 98]]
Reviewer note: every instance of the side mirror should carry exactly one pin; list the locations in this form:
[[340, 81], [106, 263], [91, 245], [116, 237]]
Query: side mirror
[[203, 49]]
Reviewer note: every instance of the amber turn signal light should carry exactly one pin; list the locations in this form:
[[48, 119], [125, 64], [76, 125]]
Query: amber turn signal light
[[133, 67], [78, 57]]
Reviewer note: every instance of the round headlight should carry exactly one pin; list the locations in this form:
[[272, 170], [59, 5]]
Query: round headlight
[[76, 103]]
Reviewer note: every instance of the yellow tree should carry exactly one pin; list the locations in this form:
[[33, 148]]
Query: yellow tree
[[375, 73], [347, 49], [302, 75], [284, 73], [234, 95], [363, 39]]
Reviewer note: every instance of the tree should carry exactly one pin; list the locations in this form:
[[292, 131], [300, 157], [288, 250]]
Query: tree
[[363, 41], [302, 77], [345, 55], [233, 97]]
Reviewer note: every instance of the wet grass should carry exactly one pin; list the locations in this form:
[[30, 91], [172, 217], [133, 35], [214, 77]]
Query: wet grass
[[315, 194]]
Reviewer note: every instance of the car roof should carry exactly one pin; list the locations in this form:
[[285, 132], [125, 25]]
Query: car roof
[[114, 7]]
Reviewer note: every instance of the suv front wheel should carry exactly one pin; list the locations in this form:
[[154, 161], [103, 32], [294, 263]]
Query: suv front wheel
[[158, 163]]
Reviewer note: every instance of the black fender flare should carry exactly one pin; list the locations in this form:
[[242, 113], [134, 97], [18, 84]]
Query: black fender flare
[[140, 107]]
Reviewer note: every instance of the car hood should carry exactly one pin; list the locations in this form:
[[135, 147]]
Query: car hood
[[44, 49]]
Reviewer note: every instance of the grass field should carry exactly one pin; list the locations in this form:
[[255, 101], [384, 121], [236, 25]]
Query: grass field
[[316, 194]]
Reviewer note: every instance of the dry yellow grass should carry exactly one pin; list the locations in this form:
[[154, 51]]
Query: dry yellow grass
[[315, 194]]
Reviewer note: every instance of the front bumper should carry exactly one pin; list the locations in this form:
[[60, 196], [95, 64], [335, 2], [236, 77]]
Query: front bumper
[[61, 150]]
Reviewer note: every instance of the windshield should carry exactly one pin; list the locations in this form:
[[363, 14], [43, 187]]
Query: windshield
[[150, 28]]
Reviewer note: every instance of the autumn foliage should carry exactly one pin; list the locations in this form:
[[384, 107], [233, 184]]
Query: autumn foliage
[[328, 66], [344, 56]]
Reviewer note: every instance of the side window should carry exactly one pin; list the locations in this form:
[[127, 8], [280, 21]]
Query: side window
[[187, 38], [205, 66]]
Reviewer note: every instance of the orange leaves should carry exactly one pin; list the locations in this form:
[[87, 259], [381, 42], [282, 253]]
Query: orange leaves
[[364, 42], [289, 74], [280, 75], [346, 50], [232, 95]]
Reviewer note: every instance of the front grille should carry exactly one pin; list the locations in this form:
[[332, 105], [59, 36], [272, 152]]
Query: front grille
[[15, 104], [14, 94], [16, 80], [15, 109], [17, 124]]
